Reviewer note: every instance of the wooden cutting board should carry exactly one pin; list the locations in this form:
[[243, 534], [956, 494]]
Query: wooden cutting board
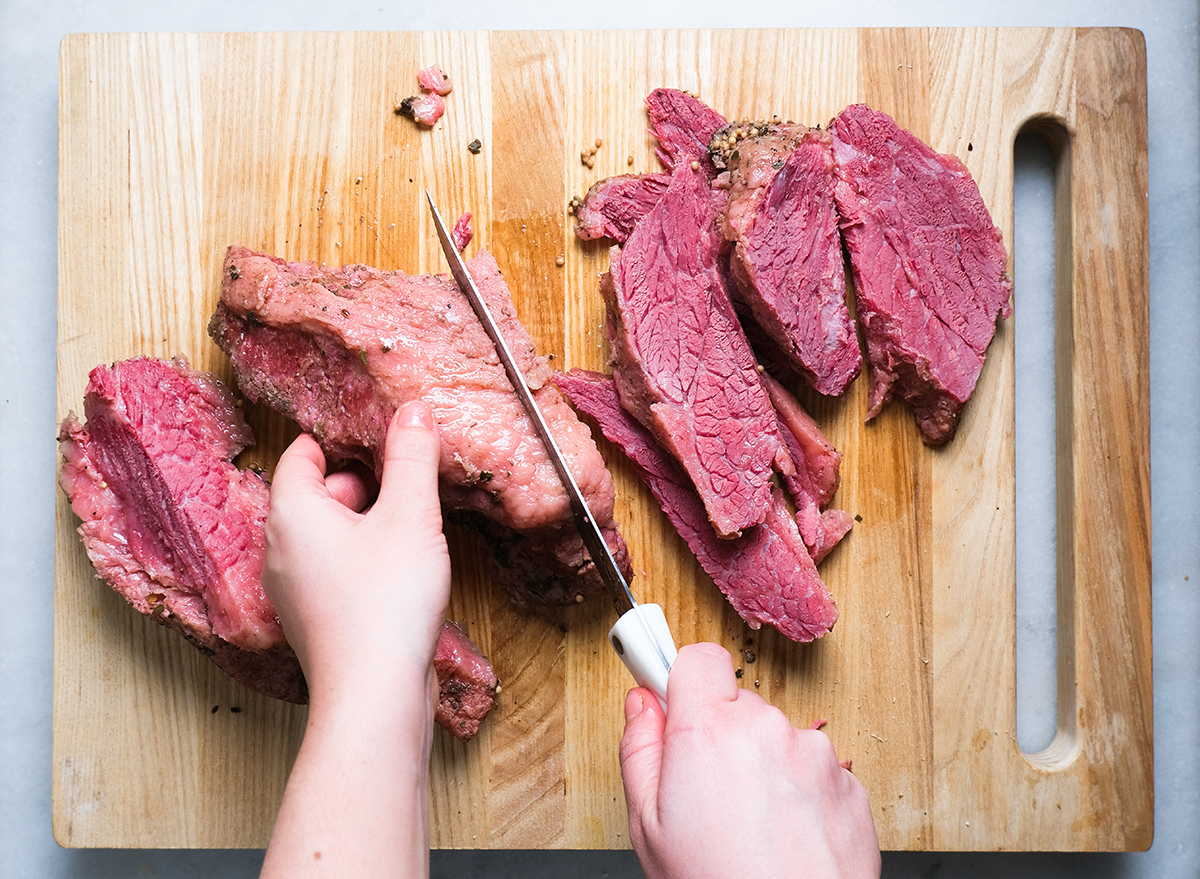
[[174, 146]]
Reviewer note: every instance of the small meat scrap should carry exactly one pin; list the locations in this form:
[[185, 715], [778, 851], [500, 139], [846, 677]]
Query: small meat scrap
[[682, 364], [338, 350], [461, 234], [613, 205], [427, 108], [466, 683], [817, 474], [787, 256], [432, 79], [178, 531], [767, 573], [930, 268]]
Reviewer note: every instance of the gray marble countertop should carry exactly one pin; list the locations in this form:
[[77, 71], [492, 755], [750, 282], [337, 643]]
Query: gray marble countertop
[[29, 39]]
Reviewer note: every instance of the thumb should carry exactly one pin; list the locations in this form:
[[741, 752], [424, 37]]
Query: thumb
[[410, 462], [641, 755]]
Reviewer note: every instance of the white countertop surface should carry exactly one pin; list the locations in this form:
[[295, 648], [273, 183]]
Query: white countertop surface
[[30, 31]]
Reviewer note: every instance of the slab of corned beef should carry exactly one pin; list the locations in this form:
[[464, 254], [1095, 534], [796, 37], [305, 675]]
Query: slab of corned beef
[[178, 531], [683, 126], [930, 269], [787, 256], [338, 350], [767, 573], [682, 364], [817, 475]]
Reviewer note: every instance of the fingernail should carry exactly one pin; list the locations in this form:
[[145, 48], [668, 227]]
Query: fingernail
[[415, 413], [634, 704]]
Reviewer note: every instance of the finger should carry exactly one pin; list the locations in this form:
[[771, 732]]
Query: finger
[[641, 754], [410, 464], [701, 675], [352, 487], [301, 468]]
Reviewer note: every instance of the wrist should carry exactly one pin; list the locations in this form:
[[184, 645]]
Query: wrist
[[398, 700]]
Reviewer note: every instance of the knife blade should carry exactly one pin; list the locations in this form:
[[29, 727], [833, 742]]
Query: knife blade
[[640, 636]]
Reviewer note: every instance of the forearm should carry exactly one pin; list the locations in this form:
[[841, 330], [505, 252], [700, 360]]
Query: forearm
[[356, 802]]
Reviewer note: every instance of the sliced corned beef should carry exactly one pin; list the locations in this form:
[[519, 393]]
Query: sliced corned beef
[[767, 574], [683, 125], [155, 460], [339, 349], [929, 267], [612, 207], [682, 363], [787, 255], [817, 474], [751, 153], [177, 530]]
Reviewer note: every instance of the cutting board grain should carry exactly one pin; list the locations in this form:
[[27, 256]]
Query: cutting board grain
[[174, 146]]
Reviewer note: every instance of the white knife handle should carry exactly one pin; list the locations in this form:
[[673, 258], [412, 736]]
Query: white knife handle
[[643, 640]]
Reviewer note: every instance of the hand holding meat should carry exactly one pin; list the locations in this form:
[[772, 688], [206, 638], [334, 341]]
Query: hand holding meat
[[352, 587], [362, 597], [724, 785]]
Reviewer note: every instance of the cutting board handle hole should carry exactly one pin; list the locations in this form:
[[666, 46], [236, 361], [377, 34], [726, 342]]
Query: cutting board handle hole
[[1042, 292]]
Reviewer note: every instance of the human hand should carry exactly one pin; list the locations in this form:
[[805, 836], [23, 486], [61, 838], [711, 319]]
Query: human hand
[[723, 785], [362, 598], [359, 594]]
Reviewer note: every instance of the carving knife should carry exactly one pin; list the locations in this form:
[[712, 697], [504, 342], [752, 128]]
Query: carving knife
[[640, 636]]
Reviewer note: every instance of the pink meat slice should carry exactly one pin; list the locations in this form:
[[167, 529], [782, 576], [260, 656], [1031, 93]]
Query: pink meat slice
[[613, 206], [156, 456], [682, 363], [787, 256], [817, 474], [929, 265], [683, 125], [767, 573]]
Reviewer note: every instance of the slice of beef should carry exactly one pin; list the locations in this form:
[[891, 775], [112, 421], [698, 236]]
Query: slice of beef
[[338, 350], [612, 207], [929, 267], [767, 573], [682, 363], [152, 473], [683, 125], [750, 154], [178, 531], [817, 474], [787, 255]]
